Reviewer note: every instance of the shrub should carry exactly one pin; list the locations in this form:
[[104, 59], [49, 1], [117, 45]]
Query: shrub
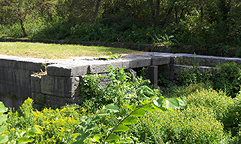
[[192, 125], [181, 91], [225, 109], [226, 77], [57, 126], [119, 89], [208, 118]]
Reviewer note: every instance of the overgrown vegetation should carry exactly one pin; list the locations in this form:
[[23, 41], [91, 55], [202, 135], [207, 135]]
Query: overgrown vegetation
[[225, 77], [132, 112], [205, 27]]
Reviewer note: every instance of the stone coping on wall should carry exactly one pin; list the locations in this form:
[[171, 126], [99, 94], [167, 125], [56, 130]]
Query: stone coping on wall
[[84, 65], [61, 83]]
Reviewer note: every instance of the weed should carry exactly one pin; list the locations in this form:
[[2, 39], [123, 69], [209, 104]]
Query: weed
[[165, 40], [112, 57]]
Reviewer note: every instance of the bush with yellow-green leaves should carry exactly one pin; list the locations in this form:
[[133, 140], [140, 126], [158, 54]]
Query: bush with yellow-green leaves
[[208, 117], [56, 125]]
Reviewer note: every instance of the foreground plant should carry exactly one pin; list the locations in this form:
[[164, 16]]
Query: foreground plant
[[137, 110], [3, 128]]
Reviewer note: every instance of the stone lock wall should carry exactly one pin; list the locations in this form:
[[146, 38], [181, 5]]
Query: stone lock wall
[[19, 77], [15, 85]]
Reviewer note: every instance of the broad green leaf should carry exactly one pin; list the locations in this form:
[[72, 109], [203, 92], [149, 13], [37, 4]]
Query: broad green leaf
[[25, 140], [97, 138], [138, 113], [2, 108], [113, 137], [129, 121], [158, 102], [148, 107], [112, 108], [3, 128], [3, 138], [121, 128], [3, 118], [172, 103]]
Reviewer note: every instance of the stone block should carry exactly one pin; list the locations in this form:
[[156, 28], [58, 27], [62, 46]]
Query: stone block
[[35, 83], [125, 64], [236, 60], [164, 68], [60, 101], [133, 74], [15, 77], [60, 86], [11, 101], [7, 75], [22, 78], [153, 74], [8, 61], [67, 69], [21, 92], [118, 63], [31, 64], [139, 62], [104, 82], [179, 68], [38, 98], [98, 66], [7, 89], [160, 60]]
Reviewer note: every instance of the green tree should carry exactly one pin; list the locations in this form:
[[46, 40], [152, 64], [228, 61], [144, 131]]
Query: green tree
[[18, 10]]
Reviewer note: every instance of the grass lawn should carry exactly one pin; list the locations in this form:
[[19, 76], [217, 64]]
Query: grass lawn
[[58, 51]]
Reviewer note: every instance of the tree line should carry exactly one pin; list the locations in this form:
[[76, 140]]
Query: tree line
[[218, 18]]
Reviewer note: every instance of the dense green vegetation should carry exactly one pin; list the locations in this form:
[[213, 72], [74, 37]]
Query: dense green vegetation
[[203, 26], [138, 112]]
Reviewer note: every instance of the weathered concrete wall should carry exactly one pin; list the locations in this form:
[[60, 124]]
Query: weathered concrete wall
[[61, 83]]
